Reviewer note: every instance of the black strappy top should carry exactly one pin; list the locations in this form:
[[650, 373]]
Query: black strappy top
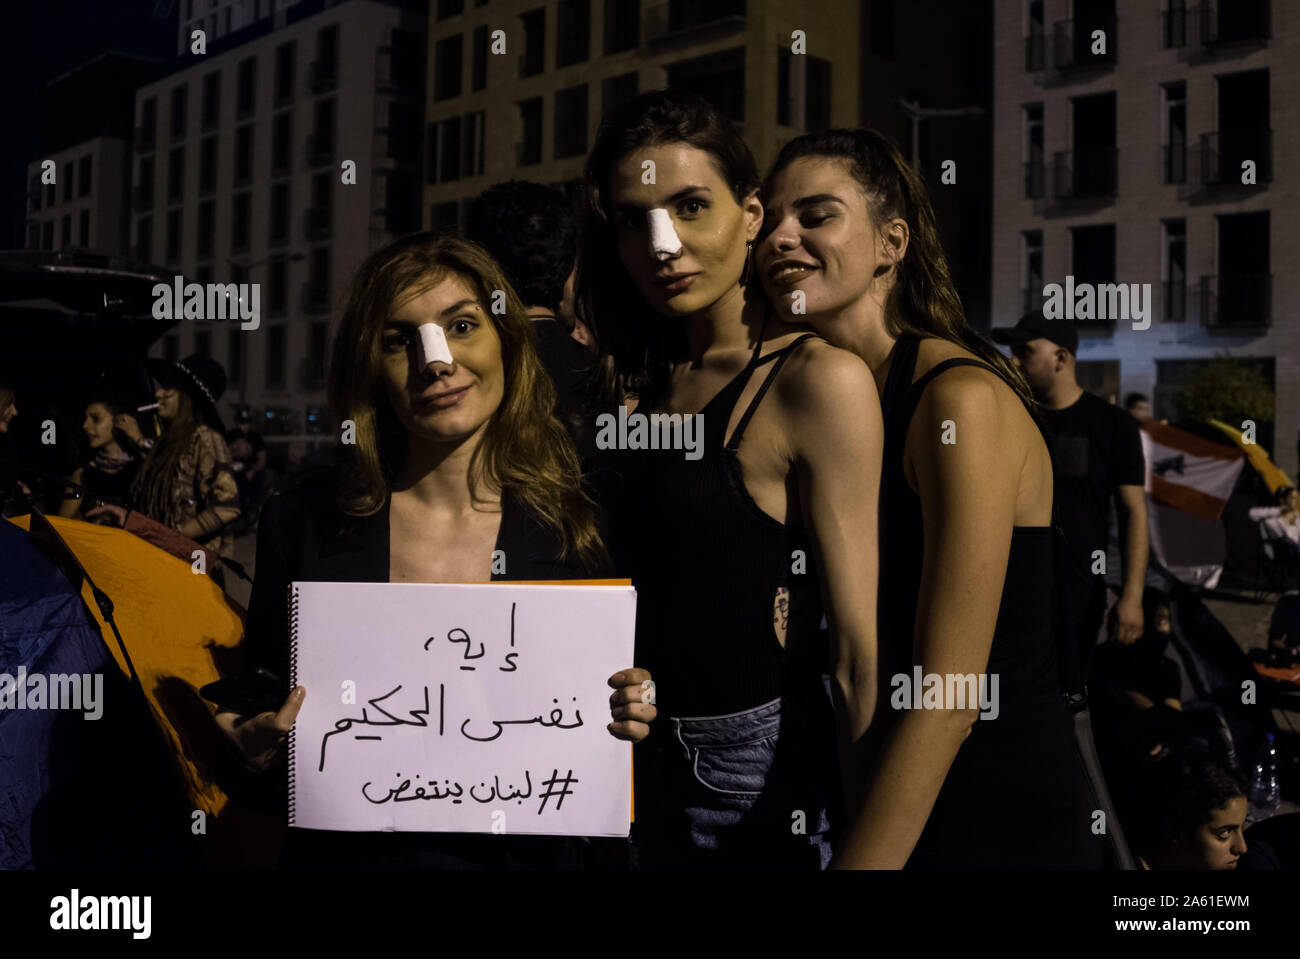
[[707, 563], [1014, 796]]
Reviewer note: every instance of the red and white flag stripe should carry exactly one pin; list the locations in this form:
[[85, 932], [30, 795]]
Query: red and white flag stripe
[[1187, 472]]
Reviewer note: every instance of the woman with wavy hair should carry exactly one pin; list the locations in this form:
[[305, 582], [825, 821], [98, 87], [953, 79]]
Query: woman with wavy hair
[[457, 454], [977, 765], [741, 537]]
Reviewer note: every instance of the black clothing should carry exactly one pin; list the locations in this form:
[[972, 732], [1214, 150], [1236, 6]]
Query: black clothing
[[304, 536], [113, 487], [707, 564], [1096, 447], [244, 446], [568, 363], [1015, 795]]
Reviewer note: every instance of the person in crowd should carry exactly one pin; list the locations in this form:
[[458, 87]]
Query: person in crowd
[[1282, 519], [1098, 458], [456, 457], [967, 585], [13, 491], [248, 451], [1138, 406], [114, 437], [1284, 631], [729, 525], [8, 407], [1194, 816], [1147, 685], [532, 231], [187, 481]]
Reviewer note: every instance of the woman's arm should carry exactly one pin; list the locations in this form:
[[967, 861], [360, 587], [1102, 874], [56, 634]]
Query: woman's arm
[[215, 485], [968, 495], [71, 507], [837, 433]]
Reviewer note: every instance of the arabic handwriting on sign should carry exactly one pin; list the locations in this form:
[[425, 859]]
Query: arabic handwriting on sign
[[556, 720], [343, 725], [450, 790], [454, 791], [459, 635]]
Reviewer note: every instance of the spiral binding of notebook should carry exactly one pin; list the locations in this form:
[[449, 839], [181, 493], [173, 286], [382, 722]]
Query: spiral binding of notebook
[[293, 684]]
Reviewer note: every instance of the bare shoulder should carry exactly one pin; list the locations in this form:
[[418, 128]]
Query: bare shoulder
[[964, 384], [822, 376]]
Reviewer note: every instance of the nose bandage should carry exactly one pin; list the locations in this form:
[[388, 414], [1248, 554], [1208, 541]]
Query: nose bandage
[[663, 238], [433, 345]]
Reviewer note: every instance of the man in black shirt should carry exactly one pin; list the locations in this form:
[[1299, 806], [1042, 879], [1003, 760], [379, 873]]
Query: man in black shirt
[[1097, 454]]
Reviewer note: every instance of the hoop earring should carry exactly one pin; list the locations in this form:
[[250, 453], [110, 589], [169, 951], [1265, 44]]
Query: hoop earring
[[749, 259]]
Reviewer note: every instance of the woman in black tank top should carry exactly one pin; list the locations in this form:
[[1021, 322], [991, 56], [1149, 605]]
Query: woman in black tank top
[[977, 765], [733, 493]]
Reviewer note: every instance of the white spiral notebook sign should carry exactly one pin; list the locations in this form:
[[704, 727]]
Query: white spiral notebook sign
[[448, 708]]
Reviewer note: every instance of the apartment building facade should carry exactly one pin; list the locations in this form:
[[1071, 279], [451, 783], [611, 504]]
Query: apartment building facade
[[526, 102], [1155, 142], [281, 158]]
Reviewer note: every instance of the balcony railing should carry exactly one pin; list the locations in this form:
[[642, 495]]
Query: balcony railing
[[317, 222], [1230, 21], [1036, 52], [1072, 43], [1175, 300], [1236, 301], [1224, 152], [322, 75], [315, 298], [1175, 163], [1035, 179], [1086, 173], [673, 18]]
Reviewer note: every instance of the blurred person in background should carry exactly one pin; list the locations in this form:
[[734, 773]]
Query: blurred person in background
[[115, 441]]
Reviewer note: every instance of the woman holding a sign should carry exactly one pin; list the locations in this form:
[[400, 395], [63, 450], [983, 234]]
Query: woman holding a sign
[[747, 510], [454, 471]]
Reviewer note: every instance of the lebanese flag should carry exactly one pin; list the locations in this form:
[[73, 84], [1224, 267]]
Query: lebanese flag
[[1187, 472]]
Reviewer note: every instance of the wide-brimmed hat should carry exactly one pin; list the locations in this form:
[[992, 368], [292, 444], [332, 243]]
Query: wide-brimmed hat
[[202, 377]]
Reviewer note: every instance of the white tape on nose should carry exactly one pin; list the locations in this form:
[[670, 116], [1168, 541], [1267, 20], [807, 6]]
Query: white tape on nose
[[663, 238], [433, 345]]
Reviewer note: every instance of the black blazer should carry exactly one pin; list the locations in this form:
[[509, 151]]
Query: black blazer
[[303, 536]]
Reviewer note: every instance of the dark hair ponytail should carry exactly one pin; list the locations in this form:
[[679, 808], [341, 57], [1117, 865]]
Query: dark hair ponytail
[[638, 345], [923, 300]]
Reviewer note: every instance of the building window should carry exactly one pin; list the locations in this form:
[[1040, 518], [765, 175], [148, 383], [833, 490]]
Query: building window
[[431, 154], [449, 8], [282, 143], [533, 61], [148, 124], [478, 59], [1175, 269], [319, 214], [235, 354], [402, 204], [318, 280], [325, 70], [285, 59], [68, 180], [47, 235], [530, 147], [207, 226], [1241, 294], [317, 347], [241, 219], [406, 63], [1175, 167], [84, 230], [571, 122], [449, 161], [174, 224], [1035, 159], [51, 195], [473, 130], [84, 175], [208, 166], [615, 91], [1036, 40], [178, 111], [448, 67], [718, 77], [1031, 280], [203, 342], [277, 281], [144, 239], [809, 95], [622, 25], [171, 347], [880, 29], [280, 213], [275, 357], [246, 87], [176, 174], [244, 154], [211, 107], [66, 232], [1093, 257], [322, 134], [572, 32]]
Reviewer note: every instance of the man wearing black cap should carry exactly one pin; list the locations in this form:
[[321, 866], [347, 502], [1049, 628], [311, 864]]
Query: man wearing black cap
[[1097, 456]]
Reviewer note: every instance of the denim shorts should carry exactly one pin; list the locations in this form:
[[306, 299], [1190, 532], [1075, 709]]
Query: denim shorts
[[754, 789]]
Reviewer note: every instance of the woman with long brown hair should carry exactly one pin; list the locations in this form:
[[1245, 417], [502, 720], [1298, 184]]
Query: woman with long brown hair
[[451, 452], [976, 765], [739, 536]]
